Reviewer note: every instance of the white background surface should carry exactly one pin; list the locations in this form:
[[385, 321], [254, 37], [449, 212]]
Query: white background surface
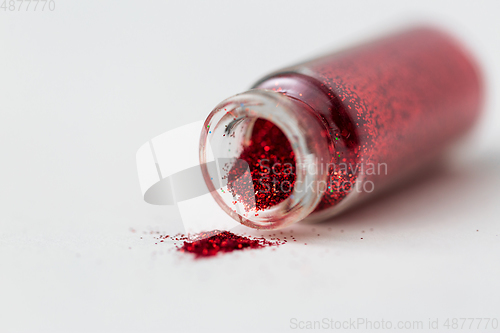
[[82, 87]]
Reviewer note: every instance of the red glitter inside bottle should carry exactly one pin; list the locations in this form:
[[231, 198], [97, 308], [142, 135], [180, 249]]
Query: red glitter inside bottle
[[272, 166], [350, 124]]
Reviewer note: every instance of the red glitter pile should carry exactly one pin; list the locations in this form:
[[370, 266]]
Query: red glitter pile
[[213, 242], [272, 166]]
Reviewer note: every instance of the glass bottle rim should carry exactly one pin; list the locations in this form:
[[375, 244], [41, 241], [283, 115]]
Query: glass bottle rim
[[304, 131]]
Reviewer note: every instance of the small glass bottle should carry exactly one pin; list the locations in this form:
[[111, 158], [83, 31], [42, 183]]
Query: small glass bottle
[[352, 123]]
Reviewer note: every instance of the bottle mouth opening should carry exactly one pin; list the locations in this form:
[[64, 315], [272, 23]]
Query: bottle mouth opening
[[265, 147]]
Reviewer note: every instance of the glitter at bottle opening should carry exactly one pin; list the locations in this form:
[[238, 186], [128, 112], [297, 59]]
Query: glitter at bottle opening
[[272, 168]]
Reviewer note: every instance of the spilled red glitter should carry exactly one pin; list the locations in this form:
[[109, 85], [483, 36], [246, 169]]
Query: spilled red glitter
[[271, 160], [214, 242]]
